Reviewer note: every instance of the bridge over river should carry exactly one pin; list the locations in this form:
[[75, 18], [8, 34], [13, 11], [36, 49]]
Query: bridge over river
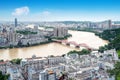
[[74, 44]]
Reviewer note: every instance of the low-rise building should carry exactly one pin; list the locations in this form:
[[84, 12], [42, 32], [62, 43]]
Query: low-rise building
[[15, 74]]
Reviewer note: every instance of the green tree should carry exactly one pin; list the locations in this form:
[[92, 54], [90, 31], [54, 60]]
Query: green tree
[[84, 52], [16, 61], [1, 60], [4, 77], [73, 52], [102, 49], [115, 43], [115, 71]]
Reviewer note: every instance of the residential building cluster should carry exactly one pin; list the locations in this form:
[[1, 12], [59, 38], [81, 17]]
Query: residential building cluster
[[107, 24], [93, 66], [77, 67], [10, 34]]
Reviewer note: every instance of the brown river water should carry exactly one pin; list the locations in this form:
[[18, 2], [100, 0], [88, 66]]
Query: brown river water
[[53, 48]]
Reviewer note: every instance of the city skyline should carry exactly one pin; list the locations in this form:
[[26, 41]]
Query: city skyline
[[59, 10]]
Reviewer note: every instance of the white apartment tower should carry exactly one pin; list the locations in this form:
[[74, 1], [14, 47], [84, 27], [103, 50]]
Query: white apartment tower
[[60, 31], [13, 38]]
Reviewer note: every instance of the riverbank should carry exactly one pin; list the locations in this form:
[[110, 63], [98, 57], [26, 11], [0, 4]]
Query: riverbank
[[62, 38], [22, 46], [41, 43], [96, 31]]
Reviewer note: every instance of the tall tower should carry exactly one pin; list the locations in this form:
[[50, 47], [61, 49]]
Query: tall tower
[[15, 22], [110, 24]]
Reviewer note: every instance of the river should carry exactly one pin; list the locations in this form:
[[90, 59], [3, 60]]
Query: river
[[53, 48]]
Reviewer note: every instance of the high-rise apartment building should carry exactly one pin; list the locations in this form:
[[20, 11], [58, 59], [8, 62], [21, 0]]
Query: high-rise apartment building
[[60, 32], [13, 38], [107, 24]]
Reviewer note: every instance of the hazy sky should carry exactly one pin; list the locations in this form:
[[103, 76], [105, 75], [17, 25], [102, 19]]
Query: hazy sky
[[59, 10]]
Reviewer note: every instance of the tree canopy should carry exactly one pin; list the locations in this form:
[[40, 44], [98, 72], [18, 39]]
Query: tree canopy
[[3, 77], [82, 52], [16, 61], [115, 71]]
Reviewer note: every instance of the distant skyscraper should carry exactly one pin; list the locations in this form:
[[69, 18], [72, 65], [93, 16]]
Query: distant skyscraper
[[110, 24], [15, 22]]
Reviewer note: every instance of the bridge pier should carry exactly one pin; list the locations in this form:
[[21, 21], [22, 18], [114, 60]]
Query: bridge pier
[[63, 43], [68, 44], [77, 46], [71, 45], [82, 47]]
